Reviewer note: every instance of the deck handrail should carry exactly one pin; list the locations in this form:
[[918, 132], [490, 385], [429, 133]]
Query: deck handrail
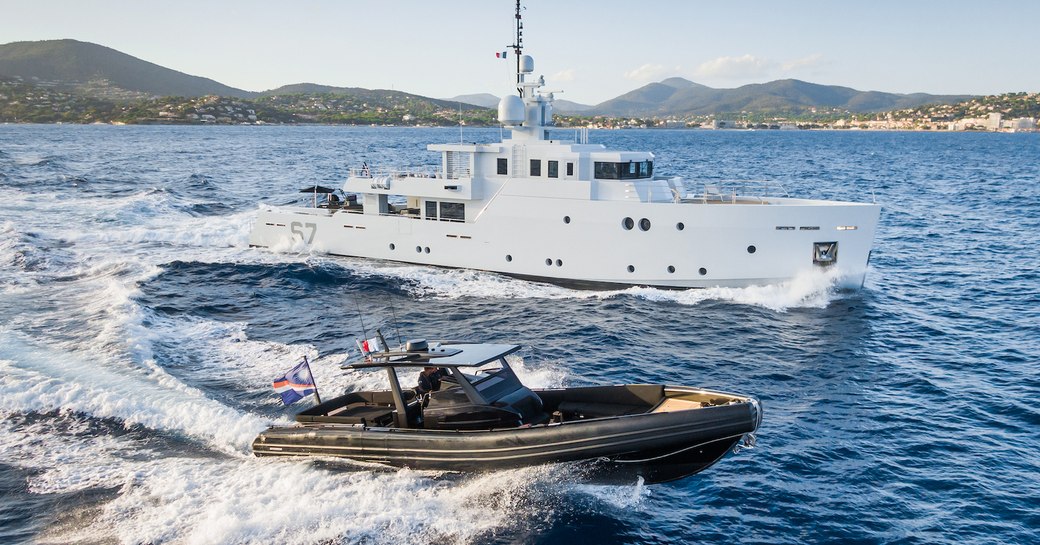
[[393, 173], [739, 188]]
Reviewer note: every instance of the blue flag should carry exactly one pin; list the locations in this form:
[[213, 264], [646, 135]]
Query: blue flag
[[296, 384]]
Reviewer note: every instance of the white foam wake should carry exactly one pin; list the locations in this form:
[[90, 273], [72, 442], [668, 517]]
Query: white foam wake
[[163, 499], [43, 379], [812, 289]]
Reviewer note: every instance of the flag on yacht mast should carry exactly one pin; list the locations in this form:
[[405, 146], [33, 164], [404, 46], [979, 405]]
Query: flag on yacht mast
[[297, 384], [501, 55]]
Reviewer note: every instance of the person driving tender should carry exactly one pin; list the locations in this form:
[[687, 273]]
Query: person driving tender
[[430, 380]]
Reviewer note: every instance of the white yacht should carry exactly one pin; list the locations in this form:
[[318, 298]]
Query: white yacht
[[574, 213]]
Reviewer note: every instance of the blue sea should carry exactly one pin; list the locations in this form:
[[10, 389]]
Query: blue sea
[[139, 335]]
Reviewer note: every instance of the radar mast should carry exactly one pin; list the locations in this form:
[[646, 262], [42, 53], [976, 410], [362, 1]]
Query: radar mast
[[518, 47]]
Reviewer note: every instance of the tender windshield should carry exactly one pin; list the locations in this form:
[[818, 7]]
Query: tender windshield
[[494, 380]]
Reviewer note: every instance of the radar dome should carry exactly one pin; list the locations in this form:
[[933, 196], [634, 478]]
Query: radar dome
[[527, 64], [511, 110]]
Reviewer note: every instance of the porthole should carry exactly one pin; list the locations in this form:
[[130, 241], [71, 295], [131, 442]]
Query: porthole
[[548, 262], [559, 262], [703, 271], [628, 223], [644, 224], [392, 247], [671, 268], [631, 268], [426, 249], [751, 249], [680, 226], [418, 249], [566, 219], [509, 258]]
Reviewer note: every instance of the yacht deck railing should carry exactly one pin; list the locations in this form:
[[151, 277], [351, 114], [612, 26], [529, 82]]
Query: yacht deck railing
[[736, 191], [394, 173]]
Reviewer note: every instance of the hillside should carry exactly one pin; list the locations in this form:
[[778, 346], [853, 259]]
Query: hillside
[[102, 71], [484, 100], [678, 97], [75, 82], [366, 98]]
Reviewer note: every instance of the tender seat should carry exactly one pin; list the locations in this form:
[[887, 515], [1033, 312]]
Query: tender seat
[[363, 413], [598, 410]]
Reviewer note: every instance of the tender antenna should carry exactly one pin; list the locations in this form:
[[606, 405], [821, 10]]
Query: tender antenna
[[362, 318], [390, 298]]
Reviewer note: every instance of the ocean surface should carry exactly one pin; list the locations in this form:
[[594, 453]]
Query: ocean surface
[[139, 335]]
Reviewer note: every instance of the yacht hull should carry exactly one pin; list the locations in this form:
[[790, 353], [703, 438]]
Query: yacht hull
[[586, 243]]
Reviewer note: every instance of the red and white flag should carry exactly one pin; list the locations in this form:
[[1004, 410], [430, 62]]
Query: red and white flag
[[369, 346]]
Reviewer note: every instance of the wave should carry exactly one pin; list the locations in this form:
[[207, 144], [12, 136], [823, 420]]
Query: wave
[[286, 501], [812, 289], [41, 379]]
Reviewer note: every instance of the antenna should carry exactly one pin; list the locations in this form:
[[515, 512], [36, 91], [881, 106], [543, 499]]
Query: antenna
[[518, 46], [460, 121], [390, 298], [360, 317]]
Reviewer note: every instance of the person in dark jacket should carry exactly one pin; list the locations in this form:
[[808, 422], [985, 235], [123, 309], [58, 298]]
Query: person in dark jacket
[[430, 380]]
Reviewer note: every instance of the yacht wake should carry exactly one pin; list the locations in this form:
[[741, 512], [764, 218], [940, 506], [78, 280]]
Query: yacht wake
[[812, 289]]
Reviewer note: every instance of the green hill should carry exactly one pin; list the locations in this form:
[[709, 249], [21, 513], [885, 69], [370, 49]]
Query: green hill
[[108, 72], [677, 96], [366, 98]]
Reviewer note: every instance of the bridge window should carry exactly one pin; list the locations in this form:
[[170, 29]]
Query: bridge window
[[453, 211], [608, 171], [624, 171], [503, 165], [536, 167], [554, 169], [570, 169]]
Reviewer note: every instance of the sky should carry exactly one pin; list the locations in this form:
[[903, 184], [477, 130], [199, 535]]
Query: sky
[[591, 50]]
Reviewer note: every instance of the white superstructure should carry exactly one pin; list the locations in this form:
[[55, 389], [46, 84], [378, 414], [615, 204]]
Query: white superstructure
[[575, 213]]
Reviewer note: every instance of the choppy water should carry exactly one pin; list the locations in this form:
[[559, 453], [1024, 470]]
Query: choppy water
[[139, 335]]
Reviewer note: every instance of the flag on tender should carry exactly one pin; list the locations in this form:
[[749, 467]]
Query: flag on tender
[[368, 346], [297, 384]]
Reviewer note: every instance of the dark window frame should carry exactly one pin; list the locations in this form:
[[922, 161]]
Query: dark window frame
[[452, 211], [552, 169], [536, 167], [607, 171], [503, 166], [631, 170], [431, 206]]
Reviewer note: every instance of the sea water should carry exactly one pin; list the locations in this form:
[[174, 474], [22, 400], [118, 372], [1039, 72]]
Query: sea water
[[139, 335]]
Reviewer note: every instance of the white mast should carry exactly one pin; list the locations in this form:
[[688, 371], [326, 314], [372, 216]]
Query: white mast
[[528, 114]]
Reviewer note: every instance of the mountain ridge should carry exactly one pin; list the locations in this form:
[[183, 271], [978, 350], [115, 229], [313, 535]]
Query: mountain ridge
[[101, 71], [678, 96], [70, 61]]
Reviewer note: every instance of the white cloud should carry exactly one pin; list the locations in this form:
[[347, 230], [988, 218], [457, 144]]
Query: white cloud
[[651, 72], [805, 62], [563, 75], [744, 67]]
